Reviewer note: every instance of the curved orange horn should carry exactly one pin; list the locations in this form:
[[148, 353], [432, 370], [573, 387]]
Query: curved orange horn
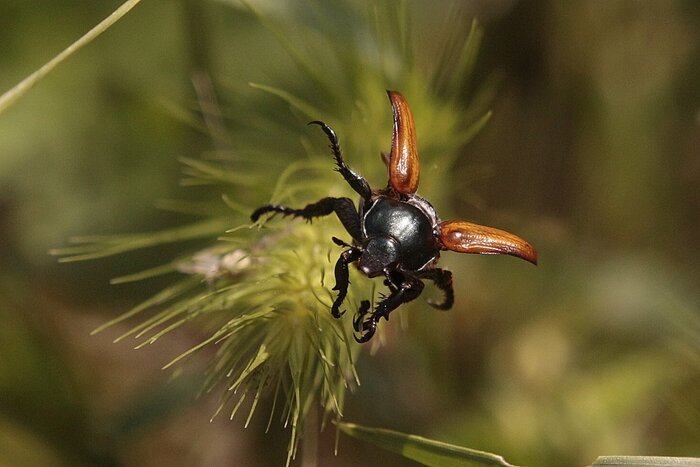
[[404, 168], [465, 237]]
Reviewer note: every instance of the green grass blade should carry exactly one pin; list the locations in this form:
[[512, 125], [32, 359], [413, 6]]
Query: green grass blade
[[467, 59], [301, 105], [296, 53], [145, 274], [646, 461], [472, 130], [423, 450], [9, 97], [102, 246]]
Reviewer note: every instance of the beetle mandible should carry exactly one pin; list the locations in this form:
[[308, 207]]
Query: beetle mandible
[[396, 233]]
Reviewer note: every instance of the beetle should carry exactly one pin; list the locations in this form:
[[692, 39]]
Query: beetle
[[396, 233]]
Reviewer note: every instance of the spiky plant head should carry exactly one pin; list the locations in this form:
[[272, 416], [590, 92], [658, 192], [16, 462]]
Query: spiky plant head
[[266, 287]]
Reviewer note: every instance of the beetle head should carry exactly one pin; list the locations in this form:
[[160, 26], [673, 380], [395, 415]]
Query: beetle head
[[378, 254]]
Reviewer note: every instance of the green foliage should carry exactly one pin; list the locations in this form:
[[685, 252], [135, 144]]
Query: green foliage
[[423, 450], [266, 291], [596, 351], [9, 97], [646, 461]]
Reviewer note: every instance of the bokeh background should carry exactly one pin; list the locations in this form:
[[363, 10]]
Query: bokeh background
[[592, 153]]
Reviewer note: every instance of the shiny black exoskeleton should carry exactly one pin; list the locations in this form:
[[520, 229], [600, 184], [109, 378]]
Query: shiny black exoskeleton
[[394, 235], [400, 233]]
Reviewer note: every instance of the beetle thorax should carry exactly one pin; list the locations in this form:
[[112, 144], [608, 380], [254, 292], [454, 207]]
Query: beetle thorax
[[400, 231]]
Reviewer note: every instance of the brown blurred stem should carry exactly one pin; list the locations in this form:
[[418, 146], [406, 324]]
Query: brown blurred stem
[[199, 46], [198, 40], [211, 111], [309, 441]]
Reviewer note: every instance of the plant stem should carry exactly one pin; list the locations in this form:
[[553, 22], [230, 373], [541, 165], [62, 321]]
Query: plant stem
[[9, 97], [309, 442]]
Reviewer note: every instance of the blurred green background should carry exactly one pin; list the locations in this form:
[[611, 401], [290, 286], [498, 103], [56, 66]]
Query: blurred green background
[[592, 154]]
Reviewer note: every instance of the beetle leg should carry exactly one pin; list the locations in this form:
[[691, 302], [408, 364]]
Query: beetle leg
[[354, 179], [443, 280], [465, 237], [394, 279], [340, 242], [404, 166], [342, 279], [343, 207], [357, 321], [409, 290]]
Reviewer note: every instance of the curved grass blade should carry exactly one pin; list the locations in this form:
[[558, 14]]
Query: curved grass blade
[[295, 102], [646, 461], [9, 97], [101, 246], [423, 450]]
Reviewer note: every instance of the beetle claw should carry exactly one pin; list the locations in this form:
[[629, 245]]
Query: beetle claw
[[358, 322], [337, 314]]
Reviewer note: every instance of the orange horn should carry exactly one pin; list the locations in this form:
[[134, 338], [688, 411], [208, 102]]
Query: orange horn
[[465, 237], [404, 168]]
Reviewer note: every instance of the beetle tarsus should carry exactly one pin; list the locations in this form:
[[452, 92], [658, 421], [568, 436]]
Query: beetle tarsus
[[342, 278], [343, 207], [355, 180], [365, 328], [268, 208], [408, 291], [340, 242], [369, 328], [443, 281]]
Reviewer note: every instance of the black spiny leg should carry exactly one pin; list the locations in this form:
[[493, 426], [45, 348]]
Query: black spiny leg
[[409, 290], [343, 207], [443, 280], [342, 278], [359, 318], [354, 179]]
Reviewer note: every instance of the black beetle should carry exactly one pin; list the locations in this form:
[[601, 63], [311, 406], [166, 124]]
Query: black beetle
[[396, 233]]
